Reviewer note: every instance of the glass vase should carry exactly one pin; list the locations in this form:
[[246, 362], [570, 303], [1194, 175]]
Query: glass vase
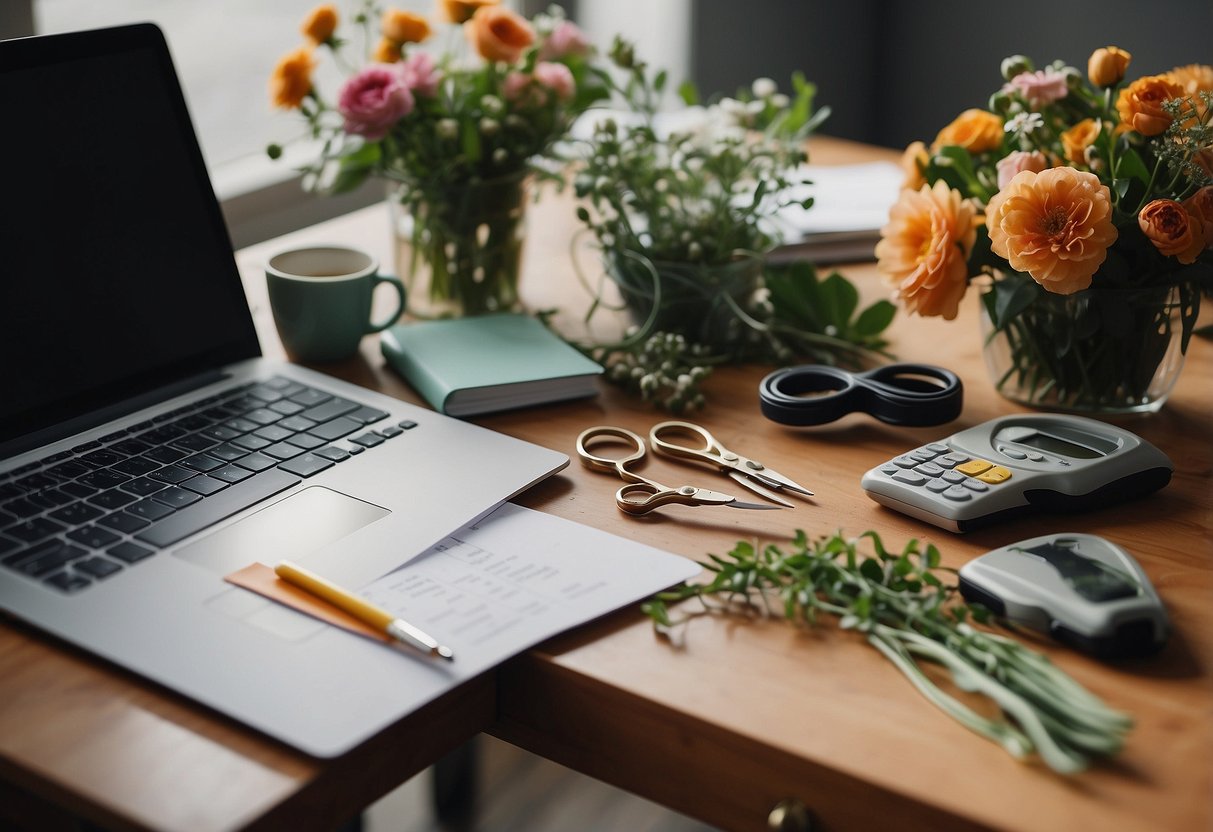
[[459, 246], [699, 301], [1098, 351]]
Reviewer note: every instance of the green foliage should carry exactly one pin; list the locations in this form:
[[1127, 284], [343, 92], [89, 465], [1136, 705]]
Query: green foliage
[[663, 369], [702, 190], [682, 218], [899, 601], [803, 306]]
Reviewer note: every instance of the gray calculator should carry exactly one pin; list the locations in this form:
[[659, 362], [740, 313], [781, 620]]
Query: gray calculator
[[1015, 465]]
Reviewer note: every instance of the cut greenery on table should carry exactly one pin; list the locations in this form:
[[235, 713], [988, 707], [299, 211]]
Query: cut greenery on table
[[900, 604]]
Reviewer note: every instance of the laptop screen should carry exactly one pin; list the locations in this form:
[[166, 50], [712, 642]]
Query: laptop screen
[[116, 271]]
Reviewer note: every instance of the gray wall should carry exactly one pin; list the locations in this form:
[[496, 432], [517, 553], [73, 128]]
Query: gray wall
[[893, 72]]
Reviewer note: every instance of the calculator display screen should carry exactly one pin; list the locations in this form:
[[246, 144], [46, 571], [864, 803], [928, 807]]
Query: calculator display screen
[[1052, 444]]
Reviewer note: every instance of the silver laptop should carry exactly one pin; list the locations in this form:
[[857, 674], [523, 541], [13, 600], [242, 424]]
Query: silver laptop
[[147, 450]]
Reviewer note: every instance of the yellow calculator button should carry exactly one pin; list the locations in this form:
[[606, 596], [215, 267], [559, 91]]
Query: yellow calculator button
[[975, 466], [995, 475]]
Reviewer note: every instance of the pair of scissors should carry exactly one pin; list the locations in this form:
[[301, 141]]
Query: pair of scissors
[[914, 395], [641, 495], [748, 472]]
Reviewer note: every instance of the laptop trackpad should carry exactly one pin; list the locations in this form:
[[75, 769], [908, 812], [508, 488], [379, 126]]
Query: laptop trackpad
[[291, 529]]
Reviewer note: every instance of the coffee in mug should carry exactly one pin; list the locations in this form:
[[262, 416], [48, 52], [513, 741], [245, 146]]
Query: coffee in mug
[[321, 297]]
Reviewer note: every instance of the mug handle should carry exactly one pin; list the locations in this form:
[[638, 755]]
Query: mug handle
[[395, 316]]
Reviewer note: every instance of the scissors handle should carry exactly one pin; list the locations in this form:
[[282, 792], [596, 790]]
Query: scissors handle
[[643, 497], [618, 465], [708, 449], [914, 395]]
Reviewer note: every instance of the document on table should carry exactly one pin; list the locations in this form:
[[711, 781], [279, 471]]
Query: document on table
[[517, 577], [850, 205], [488, 591]]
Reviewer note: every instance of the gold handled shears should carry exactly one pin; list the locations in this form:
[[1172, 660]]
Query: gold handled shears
[[748, 472], [641, 495]]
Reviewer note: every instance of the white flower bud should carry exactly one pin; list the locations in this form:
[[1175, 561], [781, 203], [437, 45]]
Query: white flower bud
[[500, 155], [764, 88], [489, 126], [492, 105], [447, 128]]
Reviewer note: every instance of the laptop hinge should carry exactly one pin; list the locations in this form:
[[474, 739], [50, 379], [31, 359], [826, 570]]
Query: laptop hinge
[[54, 433]]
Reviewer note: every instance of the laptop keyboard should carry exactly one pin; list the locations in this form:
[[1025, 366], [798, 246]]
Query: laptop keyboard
[[80, 516]]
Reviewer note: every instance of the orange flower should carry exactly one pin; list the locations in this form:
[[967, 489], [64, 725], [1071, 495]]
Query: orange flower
[[461, 11], [292, 78], [1204, 160], [1192, 78], [1140, 104], [974, 130], [499, 34], [924, 248], [404, 27], [913, 160], [1200, 205], [1106, 67], [1078, 138], [1055, 225], [386, 51], [320, 24], [1172, 230]]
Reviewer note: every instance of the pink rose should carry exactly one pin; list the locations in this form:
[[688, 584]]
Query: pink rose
[[420, 74], [373, 100], [1018, 160], [566, 39], [1044, 86], [556, 77], [514, 85]]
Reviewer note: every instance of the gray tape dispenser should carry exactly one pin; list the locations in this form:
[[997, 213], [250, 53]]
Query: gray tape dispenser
[[1086, 592]]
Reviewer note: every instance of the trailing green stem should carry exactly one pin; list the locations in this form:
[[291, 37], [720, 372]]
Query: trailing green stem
[[908, 613]]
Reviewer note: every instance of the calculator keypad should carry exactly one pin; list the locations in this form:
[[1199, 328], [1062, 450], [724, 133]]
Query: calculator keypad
[[940, 470]]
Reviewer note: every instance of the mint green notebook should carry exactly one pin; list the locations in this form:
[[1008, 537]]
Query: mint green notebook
[[469, 366]]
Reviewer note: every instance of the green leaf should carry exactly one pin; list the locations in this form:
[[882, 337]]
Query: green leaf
[[839, 299], [688, 93], [871, 570], [657, 611], [354, 168], [875, 319], [469, 141], [931, 556]]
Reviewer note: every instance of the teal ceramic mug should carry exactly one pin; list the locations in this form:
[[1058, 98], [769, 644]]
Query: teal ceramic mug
[[321, 297]]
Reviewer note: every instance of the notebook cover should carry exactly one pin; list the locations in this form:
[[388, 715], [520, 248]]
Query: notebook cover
[[504, 361]]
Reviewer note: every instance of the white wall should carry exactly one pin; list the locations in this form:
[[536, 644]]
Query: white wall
[[660, 30]]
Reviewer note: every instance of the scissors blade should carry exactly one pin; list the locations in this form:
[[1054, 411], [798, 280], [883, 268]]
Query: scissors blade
[[775, 479], [759, 506], [704, 497], [742, 479]]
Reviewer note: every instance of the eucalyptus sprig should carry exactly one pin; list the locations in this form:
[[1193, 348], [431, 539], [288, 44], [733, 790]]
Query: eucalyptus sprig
[[898, 602]]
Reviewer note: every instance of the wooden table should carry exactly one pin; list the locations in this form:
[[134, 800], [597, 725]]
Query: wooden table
[[740, 715]]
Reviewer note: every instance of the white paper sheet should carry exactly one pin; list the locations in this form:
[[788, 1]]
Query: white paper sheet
[[518, 577], [846, 198]]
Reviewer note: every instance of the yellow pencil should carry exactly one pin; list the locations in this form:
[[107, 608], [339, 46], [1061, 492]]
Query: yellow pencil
[[361, 609]]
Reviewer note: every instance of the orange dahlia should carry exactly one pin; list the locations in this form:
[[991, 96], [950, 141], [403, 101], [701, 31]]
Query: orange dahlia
[[1055, 225], [923, 251]]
